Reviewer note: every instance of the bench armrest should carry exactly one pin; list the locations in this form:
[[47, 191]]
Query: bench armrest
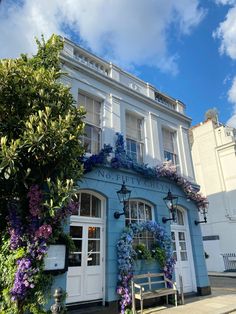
[[139, 287], [171, 282]]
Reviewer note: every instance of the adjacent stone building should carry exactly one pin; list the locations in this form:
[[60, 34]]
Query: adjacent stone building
[[214, 160]]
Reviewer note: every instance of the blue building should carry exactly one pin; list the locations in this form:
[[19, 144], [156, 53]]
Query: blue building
[[155, 132]]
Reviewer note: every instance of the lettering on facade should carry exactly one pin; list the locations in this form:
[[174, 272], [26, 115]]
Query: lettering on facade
[[132, 180]]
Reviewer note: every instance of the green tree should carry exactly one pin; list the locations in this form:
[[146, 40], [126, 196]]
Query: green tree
[[40, 150]]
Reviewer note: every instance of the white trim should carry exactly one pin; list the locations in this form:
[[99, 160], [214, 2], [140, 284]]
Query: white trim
[[76, 219], [185, 227]]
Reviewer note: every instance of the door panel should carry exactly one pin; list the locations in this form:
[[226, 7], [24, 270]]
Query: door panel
[[85, 272], [181, 252]]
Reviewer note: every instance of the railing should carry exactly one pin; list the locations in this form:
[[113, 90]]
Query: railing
[[108, 69], [229, 261]]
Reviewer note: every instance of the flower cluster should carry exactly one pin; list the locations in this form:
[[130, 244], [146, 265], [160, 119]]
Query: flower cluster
[[15, 227], [166, 170], [44, 231], [35, 236], [35, 200], [23, 279], [126, 256]]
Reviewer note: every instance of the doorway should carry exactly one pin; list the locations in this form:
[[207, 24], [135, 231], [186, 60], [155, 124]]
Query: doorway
[[182, 251], [85, 276]]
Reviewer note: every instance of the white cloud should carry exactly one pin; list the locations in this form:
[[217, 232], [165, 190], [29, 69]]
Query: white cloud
[[232, 99], [129, 32], [225, 2], [226, 32], [232, 92]]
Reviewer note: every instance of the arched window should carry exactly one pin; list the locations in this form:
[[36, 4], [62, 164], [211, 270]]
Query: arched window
[[89, 205], [139, 211]]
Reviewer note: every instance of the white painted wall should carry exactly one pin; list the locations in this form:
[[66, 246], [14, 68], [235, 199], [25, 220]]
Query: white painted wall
[[214, 160], [119, 91]]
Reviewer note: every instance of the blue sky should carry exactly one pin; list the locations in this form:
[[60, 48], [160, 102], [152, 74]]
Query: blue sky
[[186, 48]]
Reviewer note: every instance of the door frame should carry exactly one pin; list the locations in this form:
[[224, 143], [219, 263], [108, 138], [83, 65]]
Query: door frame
[[80, 220], [185, 227]]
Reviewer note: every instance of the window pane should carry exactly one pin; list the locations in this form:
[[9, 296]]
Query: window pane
[[85, 204], [94, 246], [175, 256], [141, 211], [148, 212], [78, 245], [96, 207], [74, 259], [93, 259], [180, 218], [95, 139], [94, 232], [181, 236], [81, 100], [76, 232], [182, 246], [134, 213], [173, 236], [183, 256], [168, 140]]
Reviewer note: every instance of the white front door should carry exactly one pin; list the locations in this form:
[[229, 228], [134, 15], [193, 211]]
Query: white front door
[[182, 250], [85, 272]]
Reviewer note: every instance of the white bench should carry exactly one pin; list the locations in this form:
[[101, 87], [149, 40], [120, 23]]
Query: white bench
[[151, 285]]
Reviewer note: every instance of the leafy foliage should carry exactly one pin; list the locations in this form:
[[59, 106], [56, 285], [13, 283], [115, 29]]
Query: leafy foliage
[[40, 129]]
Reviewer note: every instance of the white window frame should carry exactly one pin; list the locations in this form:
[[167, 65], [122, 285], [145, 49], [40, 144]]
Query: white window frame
[[167, 154], [96, 129], [136, 154], [129, 219]]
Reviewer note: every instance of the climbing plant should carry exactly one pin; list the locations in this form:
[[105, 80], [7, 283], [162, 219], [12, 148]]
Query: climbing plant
[[39, 167], [126, 256]]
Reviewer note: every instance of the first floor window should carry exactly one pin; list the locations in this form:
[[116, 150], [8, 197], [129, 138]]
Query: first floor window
[[134, 137], [92, 130], [138, 212], [169, 146]]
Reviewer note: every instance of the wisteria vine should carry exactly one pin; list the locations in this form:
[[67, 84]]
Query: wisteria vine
[[33, 237], [126, 257], [120, 159]]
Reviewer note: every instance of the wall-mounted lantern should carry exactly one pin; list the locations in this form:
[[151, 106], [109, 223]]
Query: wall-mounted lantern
[[123, 196], [203, 211], [171, 202]]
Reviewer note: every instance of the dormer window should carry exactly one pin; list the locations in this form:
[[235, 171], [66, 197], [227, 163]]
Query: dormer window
[[92, 130], [134, 137]]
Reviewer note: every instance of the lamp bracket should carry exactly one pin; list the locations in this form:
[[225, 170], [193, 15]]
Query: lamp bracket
[[164, 219], [117, 214], [200, 222]]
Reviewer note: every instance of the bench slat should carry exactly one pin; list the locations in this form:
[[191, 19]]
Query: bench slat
[[151, 291]]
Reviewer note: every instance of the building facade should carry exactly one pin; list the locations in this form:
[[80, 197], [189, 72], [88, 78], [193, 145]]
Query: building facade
[[154, 128], [214, 159]]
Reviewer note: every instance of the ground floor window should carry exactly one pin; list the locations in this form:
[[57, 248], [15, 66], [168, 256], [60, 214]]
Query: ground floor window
[[137, 212]]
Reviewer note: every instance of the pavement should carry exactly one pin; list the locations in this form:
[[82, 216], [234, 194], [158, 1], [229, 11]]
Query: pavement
[[221, 301]]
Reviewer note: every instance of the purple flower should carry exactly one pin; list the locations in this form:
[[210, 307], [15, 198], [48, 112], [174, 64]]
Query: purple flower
[[23, 279], [35, 200], [15, 227], [44, 231]]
